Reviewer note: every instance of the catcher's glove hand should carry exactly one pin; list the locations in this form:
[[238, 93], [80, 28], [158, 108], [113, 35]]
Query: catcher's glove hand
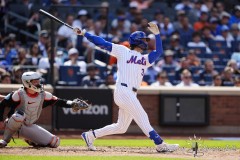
[[79, 104]]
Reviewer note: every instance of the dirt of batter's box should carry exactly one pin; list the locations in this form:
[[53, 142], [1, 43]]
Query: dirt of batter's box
[[122, 151]]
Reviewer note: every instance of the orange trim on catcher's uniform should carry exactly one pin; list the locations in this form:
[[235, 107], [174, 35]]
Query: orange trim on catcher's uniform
[[51, 140], [16, 120], [56, 141]]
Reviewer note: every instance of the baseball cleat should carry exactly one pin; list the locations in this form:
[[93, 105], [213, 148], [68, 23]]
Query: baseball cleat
[[89, 140], [3, 143], [164, 147]]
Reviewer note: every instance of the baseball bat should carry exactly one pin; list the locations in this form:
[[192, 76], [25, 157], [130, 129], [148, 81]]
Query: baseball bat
[[54, 18]]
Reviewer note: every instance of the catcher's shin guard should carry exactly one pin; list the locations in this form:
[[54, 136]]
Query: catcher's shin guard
[[13, 125], [55, 142]]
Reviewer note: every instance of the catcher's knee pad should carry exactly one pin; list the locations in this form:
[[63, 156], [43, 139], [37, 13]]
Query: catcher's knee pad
[[13, 125], [55, 142], [16, 120]]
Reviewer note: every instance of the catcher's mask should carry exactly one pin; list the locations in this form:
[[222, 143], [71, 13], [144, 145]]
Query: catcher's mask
[[27, 78]]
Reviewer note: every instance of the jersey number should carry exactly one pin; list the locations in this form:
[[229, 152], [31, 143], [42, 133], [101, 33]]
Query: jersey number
[[142, 72]]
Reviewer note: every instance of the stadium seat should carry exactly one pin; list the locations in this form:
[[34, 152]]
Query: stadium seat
[[208, 77], [198, 49], [222, 50], [195, 69], [196, 78], [217, 62], [217, 44], [102, 71], [235, 46], [146, 78], [169, 69], [80, 77], [219, 55], [228, 83], [209, 56], [171, 77], [68, 75], [175, 82], [201, 55], [219, 68]]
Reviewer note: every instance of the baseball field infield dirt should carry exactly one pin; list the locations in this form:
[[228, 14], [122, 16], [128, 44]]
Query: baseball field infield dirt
[[210, 154]]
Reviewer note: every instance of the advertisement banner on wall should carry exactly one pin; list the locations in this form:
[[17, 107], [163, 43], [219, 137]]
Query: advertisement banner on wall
[[98, 115]]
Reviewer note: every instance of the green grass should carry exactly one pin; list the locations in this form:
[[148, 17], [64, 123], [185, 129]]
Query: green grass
[[7, 157], [136, 143]]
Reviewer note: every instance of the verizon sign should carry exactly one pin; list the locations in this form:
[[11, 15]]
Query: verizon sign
[[93, 110], [98, 115]]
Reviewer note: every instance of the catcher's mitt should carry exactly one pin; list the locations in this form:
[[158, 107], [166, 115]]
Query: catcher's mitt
[[79, 104]]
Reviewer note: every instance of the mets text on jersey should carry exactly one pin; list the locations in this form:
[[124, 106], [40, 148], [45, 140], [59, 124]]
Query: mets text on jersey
[[134, 60]]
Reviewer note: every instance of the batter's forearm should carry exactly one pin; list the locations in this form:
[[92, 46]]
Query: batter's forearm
[[154, 55], [159, 47], [99, 41]]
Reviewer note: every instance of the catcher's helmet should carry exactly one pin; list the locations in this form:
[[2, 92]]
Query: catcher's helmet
[[136, 38], [26, 80]]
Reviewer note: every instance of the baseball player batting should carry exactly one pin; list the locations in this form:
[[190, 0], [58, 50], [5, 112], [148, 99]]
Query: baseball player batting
[[131, 66], [26, 105]]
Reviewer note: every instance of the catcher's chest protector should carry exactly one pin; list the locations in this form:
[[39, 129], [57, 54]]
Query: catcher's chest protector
[[31, 106]]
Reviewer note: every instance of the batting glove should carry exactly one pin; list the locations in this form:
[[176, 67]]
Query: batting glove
[[153, 28], [78, 31]]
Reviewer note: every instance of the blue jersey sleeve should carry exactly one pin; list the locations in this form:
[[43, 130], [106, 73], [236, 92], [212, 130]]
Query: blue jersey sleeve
[[153, 56], [99, 41]]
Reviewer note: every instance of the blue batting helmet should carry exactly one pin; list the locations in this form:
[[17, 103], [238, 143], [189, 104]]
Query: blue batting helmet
[[136, 38]]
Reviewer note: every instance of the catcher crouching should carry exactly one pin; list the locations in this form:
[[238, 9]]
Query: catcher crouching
[[26, 105]]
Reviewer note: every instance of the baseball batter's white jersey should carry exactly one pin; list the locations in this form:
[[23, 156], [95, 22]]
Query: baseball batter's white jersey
[[131, 68], [131, 65]]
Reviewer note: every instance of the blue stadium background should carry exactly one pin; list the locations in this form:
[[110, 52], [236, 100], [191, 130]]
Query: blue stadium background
[[200, 36]]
